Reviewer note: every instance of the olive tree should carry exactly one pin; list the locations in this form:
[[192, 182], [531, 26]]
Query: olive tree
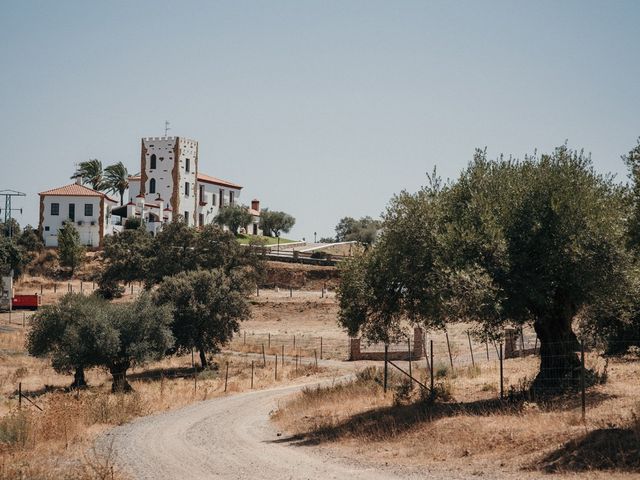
[[536, 241], [234, 217], [273, 222], [73, 333], [208, 306]]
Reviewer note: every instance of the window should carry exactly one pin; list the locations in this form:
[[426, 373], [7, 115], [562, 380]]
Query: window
[[153, 161], [72, 212], [201, 219], [231, 198], [186, 189], [88, 209], [46, 229], [213, 199], [221, 198], [201, 194], [186, 218], [55, 209], [186, 164], [152, 185]]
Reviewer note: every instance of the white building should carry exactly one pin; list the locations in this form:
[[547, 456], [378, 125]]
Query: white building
[[88, 209], [170, 183]]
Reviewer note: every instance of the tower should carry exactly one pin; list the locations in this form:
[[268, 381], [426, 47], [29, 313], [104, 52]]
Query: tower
[[169, 169]]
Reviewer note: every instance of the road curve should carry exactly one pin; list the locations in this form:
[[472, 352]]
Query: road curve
[[225, 438]]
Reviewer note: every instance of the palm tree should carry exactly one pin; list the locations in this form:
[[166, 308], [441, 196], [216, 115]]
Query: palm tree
[[90, 172], [116, 179]]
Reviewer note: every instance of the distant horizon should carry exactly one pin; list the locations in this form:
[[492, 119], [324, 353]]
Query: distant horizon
[[320, 110]]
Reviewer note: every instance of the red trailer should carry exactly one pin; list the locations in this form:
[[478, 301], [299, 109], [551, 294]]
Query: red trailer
[[27, 302]]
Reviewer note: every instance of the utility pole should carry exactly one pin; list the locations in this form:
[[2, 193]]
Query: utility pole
[[8, 195]]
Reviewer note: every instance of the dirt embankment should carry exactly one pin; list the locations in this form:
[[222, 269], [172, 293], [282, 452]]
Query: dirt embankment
[[299, 276]]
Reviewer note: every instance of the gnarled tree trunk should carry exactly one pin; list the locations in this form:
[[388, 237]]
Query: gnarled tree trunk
[[118, 372], [78, 378], [203, 358], [560, 366]]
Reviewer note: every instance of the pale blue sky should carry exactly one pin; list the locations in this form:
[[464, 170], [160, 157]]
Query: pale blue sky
[[321, 109]]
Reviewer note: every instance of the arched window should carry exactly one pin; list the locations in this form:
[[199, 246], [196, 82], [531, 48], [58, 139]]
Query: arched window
[[153, 161], [152, 185]]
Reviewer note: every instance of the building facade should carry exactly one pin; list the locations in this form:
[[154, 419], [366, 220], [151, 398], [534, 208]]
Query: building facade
[[170, 184], [88, 209]]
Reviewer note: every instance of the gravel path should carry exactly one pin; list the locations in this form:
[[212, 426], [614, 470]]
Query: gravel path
[[226, 438]]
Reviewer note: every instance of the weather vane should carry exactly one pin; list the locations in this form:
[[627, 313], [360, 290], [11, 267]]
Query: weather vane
[[166, 127]]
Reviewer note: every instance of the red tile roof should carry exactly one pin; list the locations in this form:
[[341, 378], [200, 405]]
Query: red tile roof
[[75, 190], [217, 181]]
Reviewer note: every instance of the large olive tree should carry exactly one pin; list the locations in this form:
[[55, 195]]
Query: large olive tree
[[534, 241]]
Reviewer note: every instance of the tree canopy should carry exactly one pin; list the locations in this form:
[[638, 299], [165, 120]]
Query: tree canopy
[[116, 179], [208, 306], [90, 172], [363, 230], [273, 222], [70, 250], [234, 217], [533, 241]]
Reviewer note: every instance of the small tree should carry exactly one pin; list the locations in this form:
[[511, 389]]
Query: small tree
[[233, 217], [31, 240], [70, 250], [208, 306], [274, 222], [143, 333], [73, 332], [12, 257]]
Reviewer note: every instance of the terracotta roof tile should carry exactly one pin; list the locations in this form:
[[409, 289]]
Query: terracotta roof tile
[[217, 181], [75, 190]]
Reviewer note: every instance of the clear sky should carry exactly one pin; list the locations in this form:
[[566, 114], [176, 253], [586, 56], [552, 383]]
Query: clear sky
[[322, 109]]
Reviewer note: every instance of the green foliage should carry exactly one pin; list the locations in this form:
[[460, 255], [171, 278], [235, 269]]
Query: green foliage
[[208, 306], [327, 240], [81, 332], [70, 251], [30, 240], [173, 250], [12, 257], [363, 230], [90, 172], [273, 223], [234, 217], [127, 256], [10, 228], [116, 179], [537, 240], [74, 332]]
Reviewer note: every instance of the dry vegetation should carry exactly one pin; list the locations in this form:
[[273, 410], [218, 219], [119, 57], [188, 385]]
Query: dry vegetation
[[469, 428], [56, 442]]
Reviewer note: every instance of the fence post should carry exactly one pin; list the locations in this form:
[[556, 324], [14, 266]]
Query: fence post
[[23, 319], [431, 366], [522, 341], [276, 375], [244, 340], [320, 348], [282, 357], [501, 375], [290, 292], [264, 357], [410, 373], [315, 354], [269, 340], [296, 363], [257, 291], [449, 348], [251, 374], [473, 362], [487, 344], [582, 382], [20, 395], [294, 343], [41, 290], [386, 354], [55, 287], [226, 377], [81, 286]]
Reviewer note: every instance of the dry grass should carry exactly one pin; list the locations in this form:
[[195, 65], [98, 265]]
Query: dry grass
[[473, 429]]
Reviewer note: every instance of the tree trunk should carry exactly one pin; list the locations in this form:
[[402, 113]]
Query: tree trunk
[[560, 366], [119, 373], [203, 358], [78, 378]]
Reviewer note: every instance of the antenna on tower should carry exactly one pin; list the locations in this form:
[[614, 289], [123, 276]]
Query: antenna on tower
[[166, 127]]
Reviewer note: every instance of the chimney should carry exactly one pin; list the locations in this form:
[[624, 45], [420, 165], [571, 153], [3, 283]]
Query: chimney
[[78, 180], [255, 204]]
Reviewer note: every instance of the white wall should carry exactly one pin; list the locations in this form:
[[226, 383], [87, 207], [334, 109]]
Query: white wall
[[212, 197], [164, 149], [89, 234]]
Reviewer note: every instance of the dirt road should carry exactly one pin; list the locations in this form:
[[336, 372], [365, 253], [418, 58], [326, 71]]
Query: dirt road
[[230, 438]]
